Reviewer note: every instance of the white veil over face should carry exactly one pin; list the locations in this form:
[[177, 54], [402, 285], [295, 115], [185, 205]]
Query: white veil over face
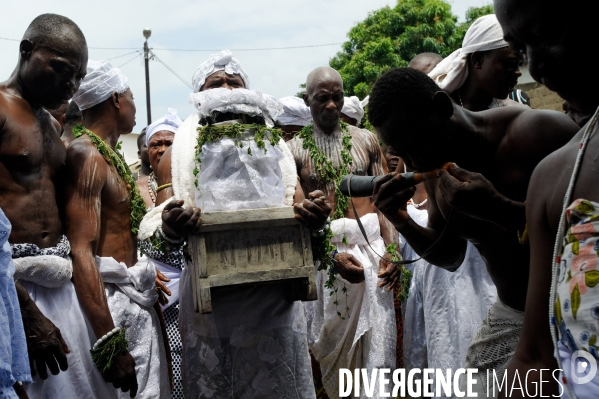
[[238, 101]]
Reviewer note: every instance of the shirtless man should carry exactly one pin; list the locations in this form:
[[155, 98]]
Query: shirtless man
[[503, 145], [483, 72], [103, 212], [333, 338], [52, 61], [551, 36]]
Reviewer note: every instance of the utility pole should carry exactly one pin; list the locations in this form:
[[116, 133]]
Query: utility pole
[[147, 34]]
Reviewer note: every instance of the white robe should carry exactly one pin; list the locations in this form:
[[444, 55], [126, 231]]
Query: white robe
[[444, 310], [130, 294], [47, 280], [253, 344], [367, 338]]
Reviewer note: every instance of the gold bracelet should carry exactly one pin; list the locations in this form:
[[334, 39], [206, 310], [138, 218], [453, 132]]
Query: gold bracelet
[[167, 185]]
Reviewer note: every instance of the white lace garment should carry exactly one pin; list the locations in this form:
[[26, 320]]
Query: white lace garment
[[252, 345], [45, 279], [130, 294], [444, 310], [367, 338]]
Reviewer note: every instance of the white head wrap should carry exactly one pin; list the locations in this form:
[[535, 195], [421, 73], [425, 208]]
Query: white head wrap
[[295, 112], [238, 101], [101, 81], [354, 108], [483, 35], [223, 61], [169, 122]]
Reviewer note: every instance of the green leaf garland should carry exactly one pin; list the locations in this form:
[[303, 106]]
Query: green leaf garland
[[211, 133], [322, 246], [136, 201], [324, 166], [406, 275]]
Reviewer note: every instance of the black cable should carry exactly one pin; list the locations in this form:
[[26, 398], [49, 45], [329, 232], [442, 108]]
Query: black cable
[[170, 69]]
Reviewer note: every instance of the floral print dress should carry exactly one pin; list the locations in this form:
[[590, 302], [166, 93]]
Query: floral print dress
[[577, 301]]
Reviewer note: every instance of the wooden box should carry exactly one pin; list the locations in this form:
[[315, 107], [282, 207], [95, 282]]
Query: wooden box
[[248, 247]]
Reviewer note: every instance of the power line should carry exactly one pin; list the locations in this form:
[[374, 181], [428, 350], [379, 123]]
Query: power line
[[170, 69], [204, 50], [122, 55], [253, 49], [134, 57]]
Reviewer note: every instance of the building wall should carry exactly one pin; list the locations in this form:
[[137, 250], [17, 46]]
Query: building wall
[[129, 147], [541, 97]]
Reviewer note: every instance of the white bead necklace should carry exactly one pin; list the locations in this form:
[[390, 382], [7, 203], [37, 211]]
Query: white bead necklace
[[559, 240]]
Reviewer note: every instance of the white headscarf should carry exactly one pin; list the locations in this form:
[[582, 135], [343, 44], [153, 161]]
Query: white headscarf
[[295, 112], [238, 101], [354, 108], [223, 61], [101, 81], [483, 35], [169, 122]]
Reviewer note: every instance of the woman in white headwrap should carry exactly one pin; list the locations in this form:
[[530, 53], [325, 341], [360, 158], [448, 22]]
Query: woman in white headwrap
[[353, 110], [296, 114], [482, 73]]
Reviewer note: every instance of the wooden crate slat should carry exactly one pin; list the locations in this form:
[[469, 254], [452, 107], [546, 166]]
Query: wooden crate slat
[[246, 219]]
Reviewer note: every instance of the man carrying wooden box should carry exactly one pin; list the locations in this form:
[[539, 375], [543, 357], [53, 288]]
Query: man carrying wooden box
[[231, 162]]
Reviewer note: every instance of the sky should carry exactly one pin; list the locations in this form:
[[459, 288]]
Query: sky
[[202, 24]]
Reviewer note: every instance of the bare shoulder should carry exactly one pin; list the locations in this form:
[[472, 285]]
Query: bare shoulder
[[533, 134], [82, 151], [363, 135], [369, 139], [5, 101], [540, 122]]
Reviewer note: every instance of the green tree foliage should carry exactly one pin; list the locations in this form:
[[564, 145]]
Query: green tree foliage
[[391, 37], [472, 14]]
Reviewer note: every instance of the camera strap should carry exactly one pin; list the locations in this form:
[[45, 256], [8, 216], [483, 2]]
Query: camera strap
[[398, 262]]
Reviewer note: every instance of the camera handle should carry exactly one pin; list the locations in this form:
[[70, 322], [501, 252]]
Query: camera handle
[[398, 262]]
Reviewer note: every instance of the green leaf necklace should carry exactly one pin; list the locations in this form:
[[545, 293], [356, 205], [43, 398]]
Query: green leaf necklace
[[322, 248], [136, 201]]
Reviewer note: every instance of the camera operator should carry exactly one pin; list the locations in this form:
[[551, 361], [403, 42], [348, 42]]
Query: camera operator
[[422, 123]]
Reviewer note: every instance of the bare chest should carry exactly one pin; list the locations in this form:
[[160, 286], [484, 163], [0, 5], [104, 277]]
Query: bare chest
[[312, 173], [30, 144]]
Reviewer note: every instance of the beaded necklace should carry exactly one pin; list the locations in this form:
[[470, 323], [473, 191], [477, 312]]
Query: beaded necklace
[[558, 248]]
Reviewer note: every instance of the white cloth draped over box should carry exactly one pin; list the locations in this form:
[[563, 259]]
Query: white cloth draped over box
[[444, 310], [253, 344], [131, 295], [367, 338], [47, 279]]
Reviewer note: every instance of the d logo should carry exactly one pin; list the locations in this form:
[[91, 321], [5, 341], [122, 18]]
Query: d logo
[[579, 366]]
